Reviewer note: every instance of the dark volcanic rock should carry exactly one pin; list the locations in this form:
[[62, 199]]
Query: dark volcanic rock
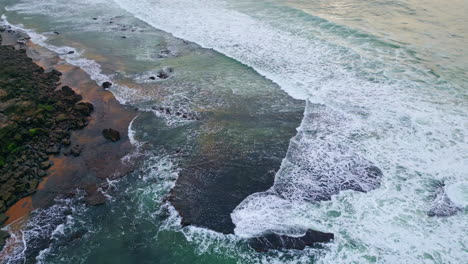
[[276, 242], [111, 134], [70, 52], [106, 85], [36, 119], [152, 78]]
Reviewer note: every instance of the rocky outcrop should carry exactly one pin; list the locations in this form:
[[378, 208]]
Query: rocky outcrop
[[274, 241], [38, 120]]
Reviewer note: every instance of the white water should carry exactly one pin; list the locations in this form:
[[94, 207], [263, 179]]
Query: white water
[[410, 125], [458, 193]]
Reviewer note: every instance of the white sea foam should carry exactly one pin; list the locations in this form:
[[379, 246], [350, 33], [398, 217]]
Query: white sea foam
[[131, 133], [44, 227], [458, 193], [413, 129]]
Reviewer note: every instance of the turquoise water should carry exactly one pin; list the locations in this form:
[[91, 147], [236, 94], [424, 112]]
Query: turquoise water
[[257, 74]]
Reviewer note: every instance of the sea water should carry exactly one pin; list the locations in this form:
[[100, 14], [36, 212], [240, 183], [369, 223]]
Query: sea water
[[388, 79]]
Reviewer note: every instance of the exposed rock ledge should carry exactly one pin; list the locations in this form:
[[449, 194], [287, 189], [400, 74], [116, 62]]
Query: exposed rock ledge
[[274, 241]]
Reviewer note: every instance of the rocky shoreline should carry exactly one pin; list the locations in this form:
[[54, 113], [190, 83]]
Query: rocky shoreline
[[45, 151], [36, 120]]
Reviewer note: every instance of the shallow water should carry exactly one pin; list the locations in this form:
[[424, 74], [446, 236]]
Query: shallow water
[[383, 96]]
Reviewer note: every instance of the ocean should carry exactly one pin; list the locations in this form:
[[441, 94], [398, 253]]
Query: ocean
[[318, 90]]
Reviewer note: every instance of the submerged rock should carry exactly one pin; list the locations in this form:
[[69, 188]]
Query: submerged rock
[[95, 199], [111, 134], [238, 168], [274, 241], [93, 196], [74, 150]]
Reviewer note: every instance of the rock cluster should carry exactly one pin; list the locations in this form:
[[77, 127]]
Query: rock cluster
[[178, 113], [36, 121]]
